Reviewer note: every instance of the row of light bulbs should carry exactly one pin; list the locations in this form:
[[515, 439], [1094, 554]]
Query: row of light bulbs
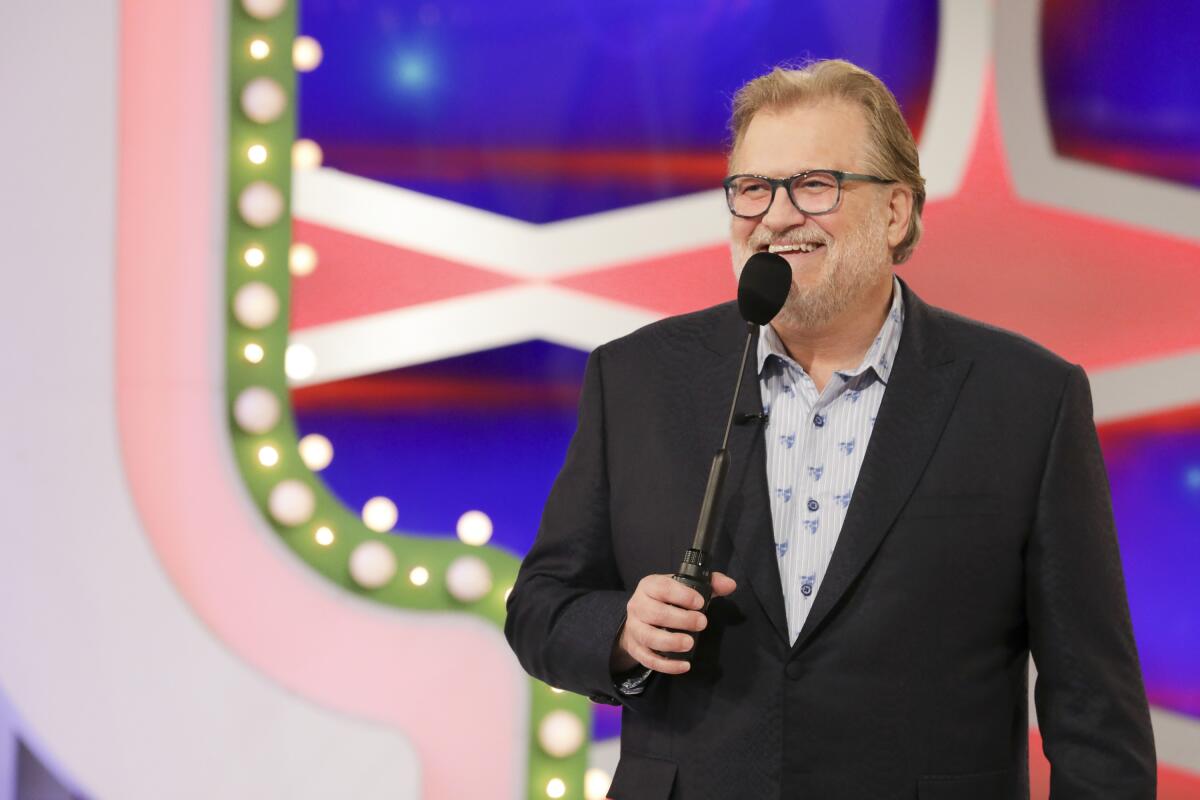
[[373, 563]]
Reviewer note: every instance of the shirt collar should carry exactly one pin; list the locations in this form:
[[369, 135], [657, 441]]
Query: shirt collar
[[880, 356]]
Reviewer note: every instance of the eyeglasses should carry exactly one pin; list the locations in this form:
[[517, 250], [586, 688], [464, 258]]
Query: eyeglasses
[[818, 191]]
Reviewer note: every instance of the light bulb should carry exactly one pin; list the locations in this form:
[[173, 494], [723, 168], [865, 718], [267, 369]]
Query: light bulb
[[259, 49], [291, 503], [306, 154], [254, 257], [255, 305], [268, 456], [263, 100], [306, 53], [468, 579], [372, 564], [379, 514], [260, 204], [324, 536], [302, 259], [299, 362], [257, 154], [596, 783], [474, 528], [556, 788], [316, 451], [419, 576], [253, 353]]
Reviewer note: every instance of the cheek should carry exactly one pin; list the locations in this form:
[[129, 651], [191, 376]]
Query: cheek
[[741, 229]]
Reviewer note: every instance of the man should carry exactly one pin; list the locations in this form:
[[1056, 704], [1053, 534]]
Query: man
[[924, 506]]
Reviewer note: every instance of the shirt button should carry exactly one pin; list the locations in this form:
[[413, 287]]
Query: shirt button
[[819, 421], [813, 505], [794, 670]]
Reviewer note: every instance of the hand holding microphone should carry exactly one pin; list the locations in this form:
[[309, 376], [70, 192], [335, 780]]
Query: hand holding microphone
[[660, 618]]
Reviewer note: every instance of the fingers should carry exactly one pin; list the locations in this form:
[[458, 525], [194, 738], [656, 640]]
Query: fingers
[[666, 589], [722, 584], [645, 643]]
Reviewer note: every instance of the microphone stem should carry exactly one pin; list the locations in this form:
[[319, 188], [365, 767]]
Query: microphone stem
[[737, 387]]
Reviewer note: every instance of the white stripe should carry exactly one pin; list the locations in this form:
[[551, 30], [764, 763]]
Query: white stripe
[[467, 324], [1147, 387], [519, 249]]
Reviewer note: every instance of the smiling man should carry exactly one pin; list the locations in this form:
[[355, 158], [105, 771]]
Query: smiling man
[[917, 503]]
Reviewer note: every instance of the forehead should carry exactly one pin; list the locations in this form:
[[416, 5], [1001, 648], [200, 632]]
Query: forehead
[[830, 134]]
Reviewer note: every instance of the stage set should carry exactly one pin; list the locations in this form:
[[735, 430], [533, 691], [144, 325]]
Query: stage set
[[300, 298]]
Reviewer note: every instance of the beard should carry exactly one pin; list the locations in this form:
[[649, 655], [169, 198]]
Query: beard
[[850, 267]]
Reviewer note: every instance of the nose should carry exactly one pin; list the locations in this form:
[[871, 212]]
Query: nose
[[782, 214]]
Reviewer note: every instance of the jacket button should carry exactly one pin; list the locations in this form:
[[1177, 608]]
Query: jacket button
[[794, 670]]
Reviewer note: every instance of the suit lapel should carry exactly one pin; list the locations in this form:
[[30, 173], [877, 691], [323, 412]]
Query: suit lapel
[[745, 521], [923, 387]]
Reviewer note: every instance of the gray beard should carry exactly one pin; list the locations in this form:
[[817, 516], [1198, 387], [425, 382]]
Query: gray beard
[[852, 267]]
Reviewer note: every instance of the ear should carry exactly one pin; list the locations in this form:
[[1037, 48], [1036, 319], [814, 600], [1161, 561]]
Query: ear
[[900, 206]]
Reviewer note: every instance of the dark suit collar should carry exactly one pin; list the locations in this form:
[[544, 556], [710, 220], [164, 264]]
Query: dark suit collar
[[924, 384]]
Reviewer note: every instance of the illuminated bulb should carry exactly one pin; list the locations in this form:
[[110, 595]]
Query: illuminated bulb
[[419, 576], [259, 49], [560, 733], [306, 53], [263, 9], [316, 452], [556, 690], [372, 564], [256, 410], [257, 154], [556, 788], [299, 362], [468, 579], [255, 305], [306, 154], [380, 514], [268, 456], [596, 783], [474, 528], [302, 259], [291, 503], [260, 204], [324, 536], [254, 257], [253, 353], [507, 592], [263, 100]]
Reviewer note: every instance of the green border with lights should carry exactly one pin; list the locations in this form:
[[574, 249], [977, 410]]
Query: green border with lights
[[348, 529]]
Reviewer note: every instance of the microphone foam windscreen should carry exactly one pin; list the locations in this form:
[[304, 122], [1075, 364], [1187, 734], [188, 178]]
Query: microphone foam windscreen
[[763, 287]]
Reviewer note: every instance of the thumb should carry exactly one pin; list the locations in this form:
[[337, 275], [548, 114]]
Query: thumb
[[722, 584]]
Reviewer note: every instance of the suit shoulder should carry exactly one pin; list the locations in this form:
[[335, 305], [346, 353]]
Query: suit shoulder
[[991, 344]]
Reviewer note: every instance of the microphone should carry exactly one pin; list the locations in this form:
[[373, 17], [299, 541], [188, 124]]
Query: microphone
[[762, 291]]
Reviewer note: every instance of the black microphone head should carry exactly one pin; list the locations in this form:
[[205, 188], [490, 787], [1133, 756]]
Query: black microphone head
[[764, 286]]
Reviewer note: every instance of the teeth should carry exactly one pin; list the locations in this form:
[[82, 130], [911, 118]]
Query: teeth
[[803, 247]]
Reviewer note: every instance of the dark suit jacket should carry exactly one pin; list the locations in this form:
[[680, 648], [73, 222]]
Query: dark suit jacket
[[980, 530]]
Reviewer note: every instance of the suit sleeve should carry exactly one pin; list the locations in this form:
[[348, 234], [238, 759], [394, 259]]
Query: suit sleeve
[[568, 602], [1091, 704]]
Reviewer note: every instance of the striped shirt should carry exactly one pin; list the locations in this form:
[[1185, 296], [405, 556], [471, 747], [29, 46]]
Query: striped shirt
[[815, 446]]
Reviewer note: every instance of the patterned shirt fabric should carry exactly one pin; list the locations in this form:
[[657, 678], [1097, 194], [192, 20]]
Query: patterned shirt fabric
[[815, 446]]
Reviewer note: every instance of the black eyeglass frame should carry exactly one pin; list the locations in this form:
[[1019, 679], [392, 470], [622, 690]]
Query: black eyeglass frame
[[786, 183]]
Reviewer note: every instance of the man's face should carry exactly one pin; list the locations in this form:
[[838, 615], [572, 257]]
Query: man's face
[[852, 255]]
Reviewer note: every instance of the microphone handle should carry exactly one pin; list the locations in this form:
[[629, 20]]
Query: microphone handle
[[693, 570]]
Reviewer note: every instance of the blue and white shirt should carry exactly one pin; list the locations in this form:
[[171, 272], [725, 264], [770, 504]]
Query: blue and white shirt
[[815, 446]]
